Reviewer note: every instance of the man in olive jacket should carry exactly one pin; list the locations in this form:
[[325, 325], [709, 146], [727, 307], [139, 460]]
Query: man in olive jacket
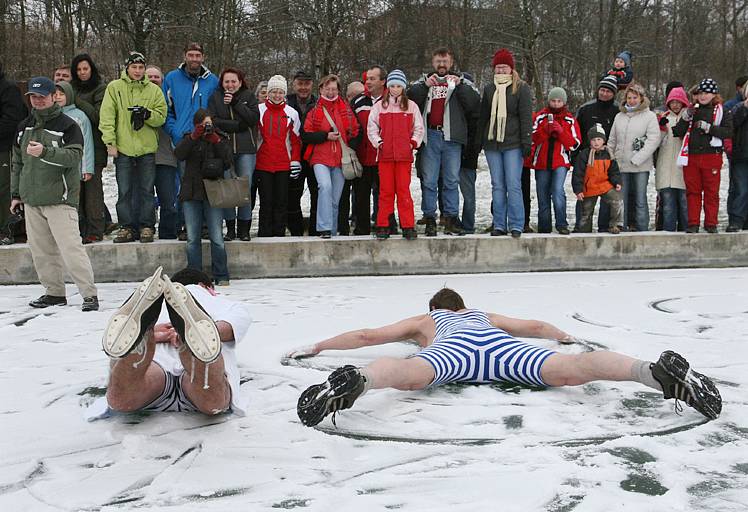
[[131, 113], [45, 182]]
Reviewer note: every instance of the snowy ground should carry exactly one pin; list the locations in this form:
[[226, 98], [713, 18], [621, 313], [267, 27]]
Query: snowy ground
[[603, 446]]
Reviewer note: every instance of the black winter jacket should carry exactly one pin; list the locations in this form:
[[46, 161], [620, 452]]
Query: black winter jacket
[[237, 119], [518, 132], [740, 134], [596, 112], [12, 111], [195, 152], [699, 142]]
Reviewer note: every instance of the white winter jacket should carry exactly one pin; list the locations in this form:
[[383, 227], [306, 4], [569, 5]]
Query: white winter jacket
[[627, 128], [669, 174]]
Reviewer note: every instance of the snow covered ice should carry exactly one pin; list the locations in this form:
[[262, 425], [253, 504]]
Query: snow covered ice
[[603, 446]]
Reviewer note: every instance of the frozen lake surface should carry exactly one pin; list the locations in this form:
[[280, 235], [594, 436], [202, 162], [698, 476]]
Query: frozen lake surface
[[603, 446]]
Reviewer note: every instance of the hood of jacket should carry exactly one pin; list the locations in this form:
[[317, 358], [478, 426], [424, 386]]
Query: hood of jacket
[[69, 93], [124, 76]]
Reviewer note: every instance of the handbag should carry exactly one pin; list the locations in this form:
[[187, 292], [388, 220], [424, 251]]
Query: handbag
[[349, 160], [228, 192]]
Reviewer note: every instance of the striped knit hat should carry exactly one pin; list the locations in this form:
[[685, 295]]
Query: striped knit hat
[[135, 58], [396, 77], [278, 82], [608, 82]]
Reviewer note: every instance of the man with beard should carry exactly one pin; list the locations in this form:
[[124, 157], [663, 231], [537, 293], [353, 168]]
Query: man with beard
[[187, 89], [602, 111], [447, 100]]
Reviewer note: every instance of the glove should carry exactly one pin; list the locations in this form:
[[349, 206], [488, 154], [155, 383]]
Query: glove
[[687, 114], [197, 132], [555, 129], [703, 126], [663, 122], [639, 143], [146, 114], [295, 172], [413, 144], [302, 352], [138, 115]]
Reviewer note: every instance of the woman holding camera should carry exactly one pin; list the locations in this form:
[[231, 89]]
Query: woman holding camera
[[206, 154]]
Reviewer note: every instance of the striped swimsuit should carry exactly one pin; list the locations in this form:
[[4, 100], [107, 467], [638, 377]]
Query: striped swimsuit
[[468, 348]]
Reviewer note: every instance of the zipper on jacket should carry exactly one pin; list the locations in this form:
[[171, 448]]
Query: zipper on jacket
[[233, 135]]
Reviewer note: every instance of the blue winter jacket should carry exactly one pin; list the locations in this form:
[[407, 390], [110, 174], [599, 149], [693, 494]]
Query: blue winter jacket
[[185, 95]]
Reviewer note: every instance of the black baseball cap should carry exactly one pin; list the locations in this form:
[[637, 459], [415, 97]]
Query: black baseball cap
[[41, 86]]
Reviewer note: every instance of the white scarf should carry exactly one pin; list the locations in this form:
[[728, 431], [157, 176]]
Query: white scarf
[[498, 108]]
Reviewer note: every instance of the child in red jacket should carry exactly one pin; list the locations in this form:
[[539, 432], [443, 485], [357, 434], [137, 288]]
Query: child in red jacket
[[555, 134], [278, 157], [395, 128]]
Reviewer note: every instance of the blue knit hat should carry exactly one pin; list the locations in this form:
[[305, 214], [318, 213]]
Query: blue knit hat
[[396, 77], [625, 56]]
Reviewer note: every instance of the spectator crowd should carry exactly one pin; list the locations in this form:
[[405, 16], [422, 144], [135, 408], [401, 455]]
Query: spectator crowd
[[354, 147]]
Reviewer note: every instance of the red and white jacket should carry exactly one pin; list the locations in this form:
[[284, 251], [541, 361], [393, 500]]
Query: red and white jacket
[[395, 132], [549, 152], [279, 142], [319, 149]]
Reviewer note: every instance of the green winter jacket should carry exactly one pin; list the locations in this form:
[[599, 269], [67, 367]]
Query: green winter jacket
[[115, 121], [54, 177]]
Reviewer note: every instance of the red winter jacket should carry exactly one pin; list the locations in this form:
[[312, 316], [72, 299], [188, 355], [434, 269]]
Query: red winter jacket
[[395, 133], [361, 105], [320, 150], [278, 133], [554, 137]]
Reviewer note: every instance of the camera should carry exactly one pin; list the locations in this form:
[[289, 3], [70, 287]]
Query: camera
[[209, 128], [136, 109]]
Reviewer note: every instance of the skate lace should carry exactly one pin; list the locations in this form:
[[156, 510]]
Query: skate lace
[[140, 349]]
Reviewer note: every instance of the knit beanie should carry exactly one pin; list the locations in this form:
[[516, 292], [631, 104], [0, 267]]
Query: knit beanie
[[503, 56], [557, 93], [608, 82], [135, 58], [678, 94], [625, 56], [708, 85], [597, 131], [396, 77], [278, 82]]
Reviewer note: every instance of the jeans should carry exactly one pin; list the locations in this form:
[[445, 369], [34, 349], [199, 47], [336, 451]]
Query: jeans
[[330, 181], [467, 189], [166, 175], [244, 165], [737, 209], [441, 158], [550, 188], [506, 189], [634, 186], [136, 176], [674, 209], [195, 213], [526, 193]]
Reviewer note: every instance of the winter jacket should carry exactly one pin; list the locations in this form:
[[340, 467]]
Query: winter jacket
[[733, 103], [550, 152], [596, 112], [54, 177], [394, 132], [668, 173], [518, 132], [185, 95], [639, 126], [165, 151], [320, 150], [293, 101], [462, 102], [88, 164], [12, 111], [115, 120], [597, 179], [623, 76], [194, 153], [238, 119], [279, 137], [362, 105], [89, 101], [740, 134], [699, 142]]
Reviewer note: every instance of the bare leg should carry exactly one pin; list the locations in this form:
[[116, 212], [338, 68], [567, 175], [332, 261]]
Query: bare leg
[[134, 380], [212, 399], [403, 374], [574, 370]]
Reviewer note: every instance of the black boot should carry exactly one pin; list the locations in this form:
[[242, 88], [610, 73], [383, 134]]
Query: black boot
[[242, 230], [430, 226], [230, 230], [452, 226]]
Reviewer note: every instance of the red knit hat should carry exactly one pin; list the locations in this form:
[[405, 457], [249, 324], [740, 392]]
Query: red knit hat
[[503, 56]]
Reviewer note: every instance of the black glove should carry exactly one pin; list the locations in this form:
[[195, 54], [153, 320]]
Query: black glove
[[138, 115], [664, 121]]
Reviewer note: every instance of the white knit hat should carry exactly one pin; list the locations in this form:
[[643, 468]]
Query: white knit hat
[[278, 82]]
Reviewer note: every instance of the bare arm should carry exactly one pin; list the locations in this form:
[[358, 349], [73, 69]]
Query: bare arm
[[528, 328], [407, 329], [225, 331]]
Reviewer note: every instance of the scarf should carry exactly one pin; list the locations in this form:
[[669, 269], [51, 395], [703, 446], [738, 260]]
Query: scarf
[[715, 142], [498, 108], [591, 158]]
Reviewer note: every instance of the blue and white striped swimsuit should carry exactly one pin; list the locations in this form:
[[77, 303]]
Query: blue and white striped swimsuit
[[468, 348]]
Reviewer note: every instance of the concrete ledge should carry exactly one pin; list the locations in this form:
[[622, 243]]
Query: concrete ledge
[[356, 256]]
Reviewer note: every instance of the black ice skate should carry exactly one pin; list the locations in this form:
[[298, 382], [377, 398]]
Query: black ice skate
[[338, 392], [679, 381]]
